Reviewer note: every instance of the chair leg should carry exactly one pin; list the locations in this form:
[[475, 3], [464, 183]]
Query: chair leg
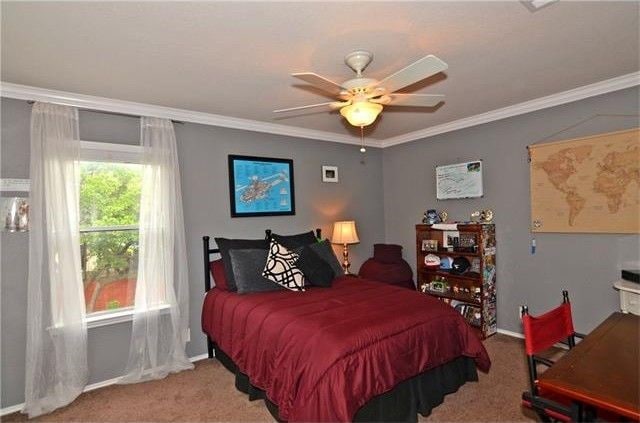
[[543, 417], [590, 414], [577, 412]]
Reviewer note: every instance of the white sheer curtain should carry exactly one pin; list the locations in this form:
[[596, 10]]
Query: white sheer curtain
[[56, 355], [161, 317]]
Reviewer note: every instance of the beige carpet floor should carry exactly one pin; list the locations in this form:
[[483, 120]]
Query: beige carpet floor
[[208, 394]]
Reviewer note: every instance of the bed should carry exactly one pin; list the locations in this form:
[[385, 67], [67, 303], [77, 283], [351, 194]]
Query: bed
[[358, 351]]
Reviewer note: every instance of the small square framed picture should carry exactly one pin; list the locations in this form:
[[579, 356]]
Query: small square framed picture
[[329, 173], [429, 245]]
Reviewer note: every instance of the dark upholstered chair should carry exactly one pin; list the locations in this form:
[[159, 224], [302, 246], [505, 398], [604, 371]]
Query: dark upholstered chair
[[388, 266]]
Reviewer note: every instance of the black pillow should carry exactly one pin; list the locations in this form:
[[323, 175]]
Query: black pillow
[[291, 242], [247, 269], [324, 250], [316, 271], [225, 245]]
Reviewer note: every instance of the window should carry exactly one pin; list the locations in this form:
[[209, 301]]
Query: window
[[110, 184]]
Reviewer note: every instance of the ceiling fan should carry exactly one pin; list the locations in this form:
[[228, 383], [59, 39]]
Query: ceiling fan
[[362, 99]]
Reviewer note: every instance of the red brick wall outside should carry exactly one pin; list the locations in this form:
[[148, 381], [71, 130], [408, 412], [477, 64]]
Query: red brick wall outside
[[120, 292]]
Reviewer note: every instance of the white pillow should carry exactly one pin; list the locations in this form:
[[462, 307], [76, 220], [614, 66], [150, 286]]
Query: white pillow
[[281, 268]]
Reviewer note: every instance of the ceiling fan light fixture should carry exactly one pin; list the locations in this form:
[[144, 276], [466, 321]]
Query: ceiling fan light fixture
[[362, 99], [362, 113]]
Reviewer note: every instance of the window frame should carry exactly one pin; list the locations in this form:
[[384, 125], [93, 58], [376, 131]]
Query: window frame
[[95, 151]]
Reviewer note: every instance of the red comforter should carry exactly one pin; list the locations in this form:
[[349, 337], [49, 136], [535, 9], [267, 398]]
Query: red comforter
[[320, 355]]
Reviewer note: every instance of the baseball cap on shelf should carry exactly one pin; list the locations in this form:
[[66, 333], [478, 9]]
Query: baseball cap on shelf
[[460, 265], [432, 260], [446, 263]]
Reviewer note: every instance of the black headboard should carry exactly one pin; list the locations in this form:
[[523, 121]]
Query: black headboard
[[267, 233], [207, 251], [207, 258]]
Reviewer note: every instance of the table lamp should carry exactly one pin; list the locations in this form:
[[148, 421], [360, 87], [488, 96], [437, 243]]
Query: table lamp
[[345, 233]]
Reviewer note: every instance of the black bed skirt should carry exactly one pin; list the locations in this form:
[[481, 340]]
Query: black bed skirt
[[420, 394]]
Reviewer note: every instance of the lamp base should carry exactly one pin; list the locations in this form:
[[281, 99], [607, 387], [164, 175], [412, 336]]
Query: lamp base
[[345, 259]]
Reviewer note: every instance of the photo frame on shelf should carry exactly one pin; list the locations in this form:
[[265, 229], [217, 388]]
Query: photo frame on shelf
[[330, 174], [261, 186], [429, 245]]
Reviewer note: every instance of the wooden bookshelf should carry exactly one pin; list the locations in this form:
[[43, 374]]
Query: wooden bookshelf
[[473, 292]]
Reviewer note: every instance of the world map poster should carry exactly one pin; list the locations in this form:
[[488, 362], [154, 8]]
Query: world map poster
[[588, 184], [261, 186]]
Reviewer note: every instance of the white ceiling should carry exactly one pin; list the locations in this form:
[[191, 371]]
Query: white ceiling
[[234, 58]]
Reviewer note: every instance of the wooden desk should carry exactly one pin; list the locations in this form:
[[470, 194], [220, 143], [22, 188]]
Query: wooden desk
[[602, 370]]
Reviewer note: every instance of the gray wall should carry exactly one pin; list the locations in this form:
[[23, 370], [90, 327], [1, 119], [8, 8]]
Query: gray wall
[[203, 154], [585, 264]]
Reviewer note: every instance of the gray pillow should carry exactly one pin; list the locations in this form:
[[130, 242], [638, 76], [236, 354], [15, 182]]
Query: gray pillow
[[225, 245], [247, 265], [324, 250]]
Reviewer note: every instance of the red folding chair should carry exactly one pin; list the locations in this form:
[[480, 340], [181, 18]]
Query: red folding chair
[[540, 334]]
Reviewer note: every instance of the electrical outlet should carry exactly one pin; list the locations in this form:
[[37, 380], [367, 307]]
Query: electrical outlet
[[188, 334]]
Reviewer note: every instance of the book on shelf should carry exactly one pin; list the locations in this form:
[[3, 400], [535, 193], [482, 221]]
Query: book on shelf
[[469, 311]]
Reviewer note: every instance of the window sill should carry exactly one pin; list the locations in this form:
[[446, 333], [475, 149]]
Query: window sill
[[97, 320]]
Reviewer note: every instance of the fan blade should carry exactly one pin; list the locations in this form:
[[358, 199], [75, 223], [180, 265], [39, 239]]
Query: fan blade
[[321, 82], [339, 104], [419, 100], [423, 68], [332, 105]]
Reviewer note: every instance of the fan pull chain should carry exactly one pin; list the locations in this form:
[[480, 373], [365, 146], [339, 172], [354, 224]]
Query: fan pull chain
[[362, 149]]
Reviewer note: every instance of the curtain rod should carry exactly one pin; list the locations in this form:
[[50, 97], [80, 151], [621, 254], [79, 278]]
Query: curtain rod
[[112, 113]]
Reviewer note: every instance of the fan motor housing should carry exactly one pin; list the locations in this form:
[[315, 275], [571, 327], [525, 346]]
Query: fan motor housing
[[359, 84]]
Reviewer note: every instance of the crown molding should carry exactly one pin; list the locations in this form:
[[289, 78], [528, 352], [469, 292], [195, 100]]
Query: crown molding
[[580, 93], [24, 92], [29, 93]]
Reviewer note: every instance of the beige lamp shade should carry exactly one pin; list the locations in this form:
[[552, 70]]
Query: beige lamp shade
[[345, 233], [362, 113]]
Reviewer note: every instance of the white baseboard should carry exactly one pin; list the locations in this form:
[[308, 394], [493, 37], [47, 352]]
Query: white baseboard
[[511, 333], [521, 336], [11, 409], [198, 358], [92, 387]]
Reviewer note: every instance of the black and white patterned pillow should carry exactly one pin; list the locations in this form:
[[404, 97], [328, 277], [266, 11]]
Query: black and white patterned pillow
[[281, 268]]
